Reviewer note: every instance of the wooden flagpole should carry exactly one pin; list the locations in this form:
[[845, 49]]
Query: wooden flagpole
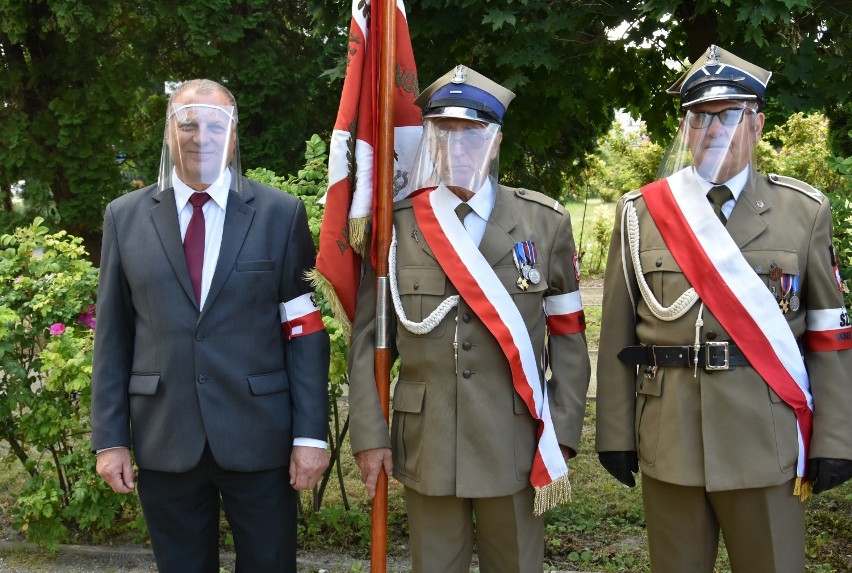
[[382, 224]]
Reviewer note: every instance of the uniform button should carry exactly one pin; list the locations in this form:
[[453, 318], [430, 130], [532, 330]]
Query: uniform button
[[522, 192], [466, 345], [659, 263], [711, 335], [467, 373], [466, 317], [202, 379], [199, 337], [416, 286]]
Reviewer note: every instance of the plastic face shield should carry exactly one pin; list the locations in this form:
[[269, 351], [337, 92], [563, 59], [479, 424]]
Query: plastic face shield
[[458, 153], [199, 143], [718, 142]]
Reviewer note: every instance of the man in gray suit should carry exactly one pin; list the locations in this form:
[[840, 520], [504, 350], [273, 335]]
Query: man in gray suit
[[211, 358]]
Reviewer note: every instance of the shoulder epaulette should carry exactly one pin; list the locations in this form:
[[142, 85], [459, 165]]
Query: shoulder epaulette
[[540, 198], [632, 195], [799, 186]]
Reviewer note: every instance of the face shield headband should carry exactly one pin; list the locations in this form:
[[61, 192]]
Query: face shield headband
[[719, 144], [458, 153], [199, 143]]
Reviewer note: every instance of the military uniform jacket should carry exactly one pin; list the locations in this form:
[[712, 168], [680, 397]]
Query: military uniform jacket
[[461, 429], [724, 429]]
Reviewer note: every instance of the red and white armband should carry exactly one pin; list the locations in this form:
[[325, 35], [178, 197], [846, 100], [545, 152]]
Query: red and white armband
[[300, 316], [565, 313], [828, 330]]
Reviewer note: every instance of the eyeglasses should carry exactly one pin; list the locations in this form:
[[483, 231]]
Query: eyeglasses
[[469, 138], [727, 117]]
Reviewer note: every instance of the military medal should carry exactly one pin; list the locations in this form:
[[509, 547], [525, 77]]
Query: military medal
[[786, 286], [795, 303], [526, 257], [775, 272], [522, 282]]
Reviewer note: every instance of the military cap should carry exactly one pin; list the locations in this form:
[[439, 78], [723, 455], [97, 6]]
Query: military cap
[[466, 94], [720, 75]]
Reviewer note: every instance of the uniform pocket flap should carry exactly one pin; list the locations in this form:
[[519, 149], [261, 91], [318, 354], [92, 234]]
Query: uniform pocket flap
[[263, 384], [658, 260], [764, 261], [509, 277], [421, 280], [143, 384], [249, 266], [408, 396], [651, 386]]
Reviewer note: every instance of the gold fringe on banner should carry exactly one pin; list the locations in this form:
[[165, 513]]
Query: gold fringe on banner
[[358, 235], [322, 284], [549, 496], [803, 489]]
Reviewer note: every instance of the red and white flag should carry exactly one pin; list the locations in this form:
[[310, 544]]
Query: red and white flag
[[350, 199]]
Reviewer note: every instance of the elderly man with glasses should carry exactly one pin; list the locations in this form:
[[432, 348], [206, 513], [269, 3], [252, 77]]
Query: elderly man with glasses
[[726, 349]]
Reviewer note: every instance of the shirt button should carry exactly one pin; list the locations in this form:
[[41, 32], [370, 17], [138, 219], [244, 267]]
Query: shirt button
[[466, 345], [467, 373]]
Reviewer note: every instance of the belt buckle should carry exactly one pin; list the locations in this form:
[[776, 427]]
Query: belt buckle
[[709, 347]]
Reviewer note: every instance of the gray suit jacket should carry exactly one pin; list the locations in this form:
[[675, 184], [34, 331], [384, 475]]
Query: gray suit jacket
[[168, 378]]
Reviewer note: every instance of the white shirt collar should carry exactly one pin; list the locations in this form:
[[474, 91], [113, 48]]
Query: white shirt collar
[[218, 191], [482, 201], [736, 183]]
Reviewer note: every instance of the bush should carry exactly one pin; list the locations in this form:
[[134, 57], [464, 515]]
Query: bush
[[46, 336]]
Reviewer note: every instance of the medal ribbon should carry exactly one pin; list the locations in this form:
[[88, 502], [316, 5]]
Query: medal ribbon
[[724, 280]]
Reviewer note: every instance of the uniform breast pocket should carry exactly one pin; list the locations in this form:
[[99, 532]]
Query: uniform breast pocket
[[779, 271], [663, 275], [530, 299], [421, 291]]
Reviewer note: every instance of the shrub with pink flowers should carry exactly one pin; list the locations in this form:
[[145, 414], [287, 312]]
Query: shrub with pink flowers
[[47, 295]]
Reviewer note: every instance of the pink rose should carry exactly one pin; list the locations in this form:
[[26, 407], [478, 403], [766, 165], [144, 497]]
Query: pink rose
[[88, 317], [57, 328]]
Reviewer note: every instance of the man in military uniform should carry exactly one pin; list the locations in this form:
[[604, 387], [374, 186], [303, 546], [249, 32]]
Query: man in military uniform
[[485, 287], [726, 351]]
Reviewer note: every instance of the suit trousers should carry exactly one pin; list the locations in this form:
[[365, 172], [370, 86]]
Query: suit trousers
[[182, 513], [509, 538], [763, 528]]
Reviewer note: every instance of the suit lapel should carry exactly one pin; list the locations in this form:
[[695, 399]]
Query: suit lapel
[[238, 217], [164, 215], [747, 222], [497, 242]]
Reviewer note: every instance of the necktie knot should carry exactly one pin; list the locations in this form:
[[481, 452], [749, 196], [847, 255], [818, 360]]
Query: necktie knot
[[462, 211], [198, 199], [720, 195]]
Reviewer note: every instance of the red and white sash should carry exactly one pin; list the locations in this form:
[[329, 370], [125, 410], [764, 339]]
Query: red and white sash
[[480, 287], [730, 288]]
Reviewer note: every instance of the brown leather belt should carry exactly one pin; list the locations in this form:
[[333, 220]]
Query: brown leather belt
[[712, 356]]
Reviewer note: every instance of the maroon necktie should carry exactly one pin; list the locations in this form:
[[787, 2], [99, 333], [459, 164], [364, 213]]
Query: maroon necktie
[[193, 242]]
